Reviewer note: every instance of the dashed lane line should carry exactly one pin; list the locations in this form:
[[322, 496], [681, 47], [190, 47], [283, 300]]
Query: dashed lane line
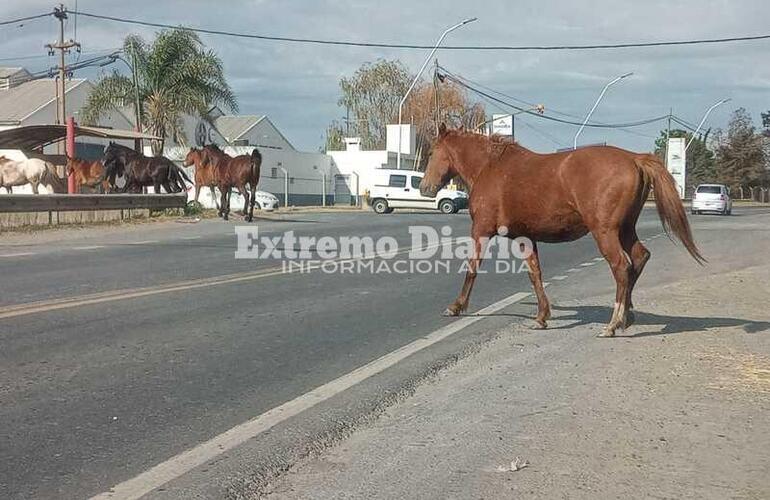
[[559, 278], [20, 254], [207, 451]]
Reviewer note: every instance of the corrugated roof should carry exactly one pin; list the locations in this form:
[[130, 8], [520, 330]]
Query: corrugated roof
[[37, 136], [233, 127], [17, 103]]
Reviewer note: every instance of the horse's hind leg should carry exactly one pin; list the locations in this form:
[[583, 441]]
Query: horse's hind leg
[[639, 257], [536, 277], [622, 268], [461, 304], [35, 187], [245, 191]]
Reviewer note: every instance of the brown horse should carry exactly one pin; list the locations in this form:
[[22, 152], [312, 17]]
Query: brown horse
[[88, 173], [557, 198], [205, 173], [240, 172]]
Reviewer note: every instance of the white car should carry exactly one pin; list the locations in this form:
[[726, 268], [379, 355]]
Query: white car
[[712, 198], [401, 189], [264, 200]]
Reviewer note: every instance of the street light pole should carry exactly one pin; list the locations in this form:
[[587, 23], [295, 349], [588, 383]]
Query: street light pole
[[417, 77], [588, 117], [708, 112]]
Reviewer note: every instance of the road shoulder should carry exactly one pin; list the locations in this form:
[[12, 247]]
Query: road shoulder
[[675, 409]]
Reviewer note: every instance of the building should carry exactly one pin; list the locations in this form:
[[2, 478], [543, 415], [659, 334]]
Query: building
[[34, 102], [355, 169]]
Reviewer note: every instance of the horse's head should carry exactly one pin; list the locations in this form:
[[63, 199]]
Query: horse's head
[[193, 157], [440, 168]]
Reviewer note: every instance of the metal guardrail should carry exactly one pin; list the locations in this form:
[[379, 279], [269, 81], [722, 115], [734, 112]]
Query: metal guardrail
[[14, 203]]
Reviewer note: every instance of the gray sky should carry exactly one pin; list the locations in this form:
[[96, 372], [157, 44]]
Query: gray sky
[[297, 85]]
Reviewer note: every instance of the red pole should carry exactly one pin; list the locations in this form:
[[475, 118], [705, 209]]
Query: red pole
[[71, 188]]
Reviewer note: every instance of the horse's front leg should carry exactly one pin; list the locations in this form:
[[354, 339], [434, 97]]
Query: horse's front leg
[[536, 277], [461, 304]]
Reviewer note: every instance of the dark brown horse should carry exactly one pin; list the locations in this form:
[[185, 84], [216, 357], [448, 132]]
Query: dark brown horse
[[205, 173], [240, 172], [88, 173], [557, 198], [142, 171]]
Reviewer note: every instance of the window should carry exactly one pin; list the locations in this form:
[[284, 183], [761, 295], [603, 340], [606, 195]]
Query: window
[[710, 189], [274, 172], [291, 180], [397, 181], [416, 181]]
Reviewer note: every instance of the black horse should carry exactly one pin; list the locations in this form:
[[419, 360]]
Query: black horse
[[141, 171]]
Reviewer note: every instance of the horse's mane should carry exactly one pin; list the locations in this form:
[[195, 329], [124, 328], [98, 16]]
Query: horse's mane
[[496, 144]]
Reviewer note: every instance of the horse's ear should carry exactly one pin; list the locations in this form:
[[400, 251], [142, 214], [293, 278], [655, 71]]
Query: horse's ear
[[442, 129]]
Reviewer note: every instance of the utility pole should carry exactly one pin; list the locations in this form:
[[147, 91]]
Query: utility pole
[[64, 47]]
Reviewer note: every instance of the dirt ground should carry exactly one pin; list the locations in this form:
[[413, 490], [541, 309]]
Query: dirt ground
[[676, 409]]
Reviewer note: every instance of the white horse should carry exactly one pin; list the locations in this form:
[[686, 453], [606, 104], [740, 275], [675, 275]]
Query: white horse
[[17, 173]]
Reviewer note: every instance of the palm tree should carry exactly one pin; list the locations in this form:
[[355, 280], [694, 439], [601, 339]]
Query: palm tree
[[176, 75]]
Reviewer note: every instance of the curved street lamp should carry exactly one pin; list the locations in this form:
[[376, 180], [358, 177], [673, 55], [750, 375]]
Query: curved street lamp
[[613, 82], [708, 112], [414, 82]]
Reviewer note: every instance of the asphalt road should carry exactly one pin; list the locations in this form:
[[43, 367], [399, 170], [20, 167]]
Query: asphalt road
[[105, 386]]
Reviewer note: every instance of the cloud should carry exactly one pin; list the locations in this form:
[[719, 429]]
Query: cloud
[[297, 85]]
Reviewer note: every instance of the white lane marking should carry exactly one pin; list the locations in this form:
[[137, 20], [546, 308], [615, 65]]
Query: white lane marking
[[92, 247], [186, 461], [191, 237], [20, 254], [143, 242], [559, 278], [573, 270], [598, 259], [586, 264], [100, 297]]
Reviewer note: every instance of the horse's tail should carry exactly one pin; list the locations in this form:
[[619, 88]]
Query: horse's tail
[[179, 176], [256, 163], [670, 208]]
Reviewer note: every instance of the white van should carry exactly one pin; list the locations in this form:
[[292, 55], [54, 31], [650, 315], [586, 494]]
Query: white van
[[401, 189]]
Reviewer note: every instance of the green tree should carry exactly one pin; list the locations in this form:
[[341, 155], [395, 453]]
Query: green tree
[[335, 137], [372, 96], [741, 153], [176, 75], [700, 162]]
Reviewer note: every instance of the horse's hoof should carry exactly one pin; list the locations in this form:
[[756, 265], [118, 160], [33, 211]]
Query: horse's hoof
[[539, 325], [630, 318], [451, 311], [607, 333]]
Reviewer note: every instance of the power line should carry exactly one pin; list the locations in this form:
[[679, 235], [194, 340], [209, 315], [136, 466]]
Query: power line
[[551, 110], [419, 46], [22, 19], [552, 118]]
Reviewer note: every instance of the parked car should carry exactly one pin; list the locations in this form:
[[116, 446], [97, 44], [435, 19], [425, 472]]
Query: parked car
[[401, 189], [712, 198], [265, 201]]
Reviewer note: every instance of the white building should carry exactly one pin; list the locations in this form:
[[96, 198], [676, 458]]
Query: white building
[[355, 169]]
